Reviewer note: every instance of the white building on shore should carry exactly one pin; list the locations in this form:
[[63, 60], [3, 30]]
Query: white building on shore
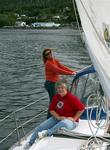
[[20, 24], [45, 24]]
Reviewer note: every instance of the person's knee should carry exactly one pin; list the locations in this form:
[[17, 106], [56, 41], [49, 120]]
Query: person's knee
[[66, 121], [67, 124]]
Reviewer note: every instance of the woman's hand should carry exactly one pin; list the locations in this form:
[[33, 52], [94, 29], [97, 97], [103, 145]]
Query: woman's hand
[[70, 118], [62, 117], [74, 73], [54, 114]]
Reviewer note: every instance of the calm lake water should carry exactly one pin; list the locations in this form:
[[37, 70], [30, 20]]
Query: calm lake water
[[22, 70]]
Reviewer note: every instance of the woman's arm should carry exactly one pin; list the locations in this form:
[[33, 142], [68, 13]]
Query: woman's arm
[[55, 115], [56, 69], [76, 116], [64, 67]]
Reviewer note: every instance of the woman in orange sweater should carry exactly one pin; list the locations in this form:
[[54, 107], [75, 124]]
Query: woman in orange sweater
[[53, 70]]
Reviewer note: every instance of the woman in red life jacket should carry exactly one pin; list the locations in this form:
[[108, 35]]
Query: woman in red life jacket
[[53, 70]]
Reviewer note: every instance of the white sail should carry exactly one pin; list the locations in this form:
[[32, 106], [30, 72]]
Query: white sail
[[95, 20]]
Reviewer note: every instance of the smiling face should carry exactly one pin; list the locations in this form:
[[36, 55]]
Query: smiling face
[[62, 89]]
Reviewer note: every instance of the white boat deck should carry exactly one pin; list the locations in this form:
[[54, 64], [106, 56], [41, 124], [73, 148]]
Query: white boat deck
[[63, 143], [83, 128], [54, 143]]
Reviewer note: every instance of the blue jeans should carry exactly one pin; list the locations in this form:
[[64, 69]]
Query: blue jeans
[[52, 125], [50, 87]]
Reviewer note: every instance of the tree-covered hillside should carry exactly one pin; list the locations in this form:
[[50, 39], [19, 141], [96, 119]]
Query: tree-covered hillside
[[44, 10], [25, 6]]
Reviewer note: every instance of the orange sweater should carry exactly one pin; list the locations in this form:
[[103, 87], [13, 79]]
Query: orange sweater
[[53, 68]]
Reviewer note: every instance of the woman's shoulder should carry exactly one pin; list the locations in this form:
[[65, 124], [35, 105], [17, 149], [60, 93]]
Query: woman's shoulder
[[56, 59], [71, 95], [52, 61], [56, 97]]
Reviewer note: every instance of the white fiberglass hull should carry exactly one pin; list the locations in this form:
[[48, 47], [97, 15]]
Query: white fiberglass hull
[[66, 140], [59, 143], [55, 143]]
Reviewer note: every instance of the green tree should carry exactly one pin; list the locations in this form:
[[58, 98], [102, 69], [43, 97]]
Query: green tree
[[11, 19], [3, 20], [7, 20]]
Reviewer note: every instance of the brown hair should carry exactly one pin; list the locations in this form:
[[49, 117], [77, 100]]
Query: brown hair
[[61, 82], [44, 54]]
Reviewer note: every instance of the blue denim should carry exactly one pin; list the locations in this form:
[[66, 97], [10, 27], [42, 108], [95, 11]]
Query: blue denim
[[50, 87], [52, 125]]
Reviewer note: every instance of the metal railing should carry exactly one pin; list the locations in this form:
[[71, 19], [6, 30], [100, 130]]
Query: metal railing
[[19, 125]]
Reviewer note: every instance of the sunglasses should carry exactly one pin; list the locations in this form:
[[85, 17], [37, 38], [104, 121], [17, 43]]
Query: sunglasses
[[46, 54]]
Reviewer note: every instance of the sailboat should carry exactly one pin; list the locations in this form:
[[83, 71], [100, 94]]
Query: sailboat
[[91, 84], [92, 132]]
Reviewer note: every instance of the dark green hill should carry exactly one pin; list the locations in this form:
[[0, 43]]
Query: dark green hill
[[32, 7], [43, 10]]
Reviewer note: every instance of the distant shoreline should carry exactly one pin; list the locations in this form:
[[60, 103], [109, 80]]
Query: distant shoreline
[[39, 28], [30, 27]]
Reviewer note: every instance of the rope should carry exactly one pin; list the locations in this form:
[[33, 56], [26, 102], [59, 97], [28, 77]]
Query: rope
[[77, 20], [97, 98]]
